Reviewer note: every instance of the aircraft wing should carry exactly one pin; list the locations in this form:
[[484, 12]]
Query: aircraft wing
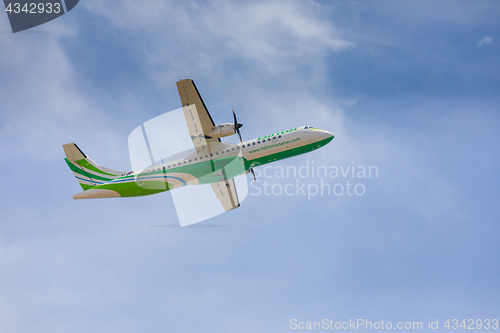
[[199, 123], [226, 192], [198, 119]]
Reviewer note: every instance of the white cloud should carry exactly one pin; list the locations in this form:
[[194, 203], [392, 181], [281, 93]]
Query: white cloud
[[44, 102], [193, 37], [37, 92], [485, 41]]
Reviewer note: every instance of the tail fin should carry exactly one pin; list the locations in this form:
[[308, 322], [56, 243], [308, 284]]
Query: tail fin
[[86, 171]]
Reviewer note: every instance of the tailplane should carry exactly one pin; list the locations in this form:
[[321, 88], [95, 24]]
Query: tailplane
[[87, 172]]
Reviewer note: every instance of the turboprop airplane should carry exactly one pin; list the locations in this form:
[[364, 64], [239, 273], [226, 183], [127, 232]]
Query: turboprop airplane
[[211, 162]]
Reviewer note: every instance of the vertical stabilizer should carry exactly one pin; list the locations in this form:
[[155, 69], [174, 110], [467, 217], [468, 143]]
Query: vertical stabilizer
[[87, 172]]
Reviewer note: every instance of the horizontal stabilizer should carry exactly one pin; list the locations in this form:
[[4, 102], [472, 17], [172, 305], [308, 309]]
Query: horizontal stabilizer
[[96, 194]]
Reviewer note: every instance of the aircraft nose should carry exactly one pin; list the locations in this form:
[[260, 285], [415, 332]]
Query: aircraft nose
[[329, 136]]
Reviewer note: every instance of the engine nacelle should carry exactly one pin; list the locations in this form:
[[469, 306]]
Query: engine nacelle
[[221, 131]]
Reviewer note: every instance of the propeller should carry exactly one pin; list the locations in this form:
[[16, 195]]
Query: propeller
[[237, 126]]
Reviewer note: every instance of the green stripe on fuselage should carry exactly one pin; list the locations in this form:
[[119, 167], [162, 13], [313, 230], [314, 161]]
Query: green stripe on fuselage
[[286, 153], [86, 187], [131, 189], [89, 166], [83, 173]]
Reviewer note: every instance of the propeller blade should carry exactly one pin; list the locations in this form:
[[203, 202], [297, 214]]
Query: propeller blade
[[239, 134], [253, 173], [237, 126]]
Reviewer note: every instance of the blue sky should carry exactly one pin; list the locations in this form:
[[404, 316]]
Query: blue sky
[[410, 87]]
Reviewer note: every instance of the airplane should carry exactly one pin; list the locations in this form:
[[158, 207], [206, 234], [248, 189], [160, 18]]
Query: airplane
[[211, 162]]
